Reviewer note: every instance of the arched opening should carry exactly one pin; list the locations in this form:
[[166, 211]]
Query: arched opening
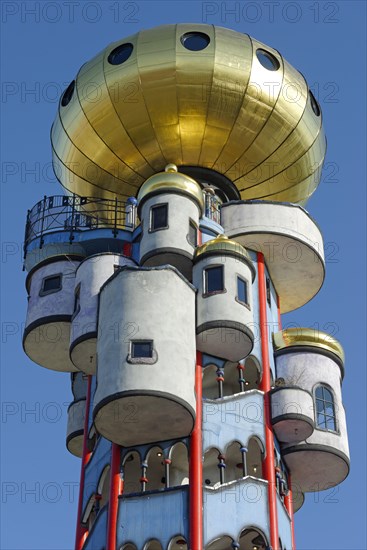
[[103, 489], [254, 458], [132, 473], [234, 465], [153, 545], [211, 475], [179, 467], [210, 384], [252, 373], [155, 470], [178, 543], [224, 543], [129, 546], [252, 539]]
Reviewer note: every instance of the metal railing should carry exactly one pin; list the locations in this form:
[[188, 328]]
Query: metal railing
[[74, 213]]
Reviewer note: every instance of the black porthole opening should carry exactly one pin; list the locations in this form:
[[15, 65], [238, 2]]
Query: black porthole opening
[[195, 41], [314, 104], [68, 94], [267, 60], [120, 54]]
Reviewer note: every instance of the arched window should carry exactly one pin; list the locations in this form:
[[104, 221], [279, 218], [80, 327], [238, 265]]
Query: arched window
[[179, 468], [103, 488], [325, 409], [210, 468], [155, 469], [254, 458], [132, 473]]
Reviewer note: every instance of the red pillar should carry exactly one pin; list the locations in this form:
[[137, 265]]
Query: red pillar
[[265, 386], [115, 490], [196, 466], [288, 502], [82, 532]]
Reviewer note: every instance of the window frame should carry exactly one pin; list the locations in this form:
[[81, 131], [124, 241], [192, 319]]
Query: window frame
[[206, 293], [151, 216], [325, 415], [244, 280], [43, 292], [131, 358]]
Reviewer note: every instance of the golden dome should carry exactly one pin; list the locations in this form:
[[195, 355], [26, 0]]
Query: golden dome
[[197, 96], [308, 337], [222, 245], [171, 180]]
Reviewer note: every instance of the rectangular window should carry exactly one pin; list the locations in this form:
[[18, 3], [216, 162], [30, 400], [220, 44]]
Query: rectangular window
[[142, 349], [76, 301], [214, 279], [268, 293], [193, 234], [50, 284], [159, 217], [242, 293]]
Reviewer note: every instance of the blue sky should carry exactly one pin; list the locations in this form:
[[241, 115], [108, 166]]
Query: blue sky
[[43, 46]]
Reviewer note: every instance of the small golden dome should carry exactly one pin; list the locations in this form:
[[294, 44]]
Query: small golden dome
[[308, 337], [222, 245], [171, 181]]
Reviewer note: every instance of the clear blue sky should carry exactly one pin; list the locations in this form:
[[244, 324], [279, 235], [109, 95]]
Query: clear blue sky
[[44, 44]]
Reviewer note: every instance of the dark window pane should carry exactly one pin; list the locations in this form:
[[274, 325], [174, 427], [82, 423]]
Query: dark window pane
[[159, 217], [267, 60], [214, 279], [142, 349], [268, 293], [52, 283], [192, 234], [120, 54], [195, 41], [242, 290]]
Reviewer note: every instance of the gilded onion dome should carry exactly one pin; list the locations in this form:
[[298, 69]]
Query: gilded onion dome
[[171, 181], [308, 337], [223, 246], [197, 96]]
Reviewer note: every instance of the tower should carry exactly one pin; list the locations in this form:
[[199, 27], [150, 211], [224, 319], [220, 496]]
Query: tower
[[158, 281]]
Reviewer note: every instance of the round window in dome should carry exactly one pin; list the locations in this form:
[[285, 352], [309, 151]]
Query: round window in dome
[[267, 60], [120, 54], [195, 41], [314, 104], [68, 94]]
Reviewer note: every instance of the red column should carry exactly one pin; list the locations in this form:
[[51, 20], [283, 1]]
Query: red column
[[82, 532], [265, 386], [115, 490], [196, 466], [288, 502]]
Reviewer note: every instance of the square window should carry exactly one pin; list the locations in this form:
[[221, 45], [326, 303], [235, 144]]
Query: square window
[[51, 284], [159, 217], [142, 349], [193, 234], [214, 279], [242, 294]]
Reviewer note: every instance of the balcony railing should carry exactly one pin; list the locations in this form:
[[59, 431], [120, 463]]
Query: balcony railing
[[74, 213]]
